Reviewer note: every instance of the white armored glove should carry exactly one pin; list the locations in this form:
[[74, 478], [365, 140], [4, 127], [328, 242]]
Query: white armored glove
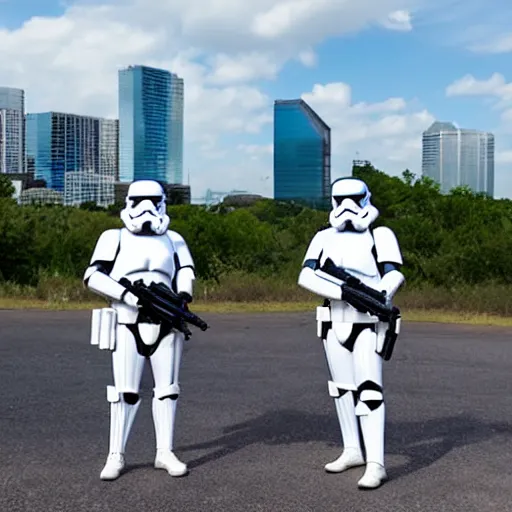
[[390, 284], [130, 299]]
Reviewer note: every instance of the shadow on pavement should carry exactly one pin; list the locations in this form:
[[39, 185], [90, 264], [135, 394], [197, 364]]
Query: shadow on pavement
[[421, 443]]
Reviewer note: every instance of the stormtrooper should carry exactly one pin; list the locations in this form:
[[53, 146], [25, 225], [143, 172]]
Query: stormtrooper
[[144, 249], [353, 339]]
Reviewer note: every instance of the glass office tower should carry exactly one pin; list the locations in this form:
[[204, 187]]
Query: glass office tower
[[302, 153], [12, 130], [74, 155], [150, 125], [39, 147], [455, 157]]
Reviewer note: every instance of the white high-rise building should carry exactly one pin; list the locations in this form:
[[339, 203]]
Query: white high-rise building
[[12, 130], [456, 157]]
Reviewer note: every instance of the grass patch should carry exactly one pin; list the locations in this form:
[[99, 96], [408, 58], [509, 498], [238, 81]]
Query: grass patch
[[245, 293], [28, 303], [411, 315], [451, 317]]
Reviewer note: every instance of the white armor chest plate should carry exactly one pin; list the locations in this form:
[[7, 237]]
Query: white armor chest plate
[[150, 258], [353, 252], [144, 257]]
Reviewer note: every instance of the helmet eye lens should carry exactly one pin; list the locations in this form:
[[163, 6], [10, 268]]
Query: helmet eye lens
[[137, 200], [357, 198]]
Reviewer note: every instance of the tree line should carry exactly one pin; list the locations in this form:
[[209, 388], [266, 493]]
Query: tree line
[[446, 239]]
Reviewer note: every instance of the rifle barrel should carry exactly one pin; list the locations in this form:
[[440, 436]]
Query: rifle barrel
[[354, 282], [163, 302]]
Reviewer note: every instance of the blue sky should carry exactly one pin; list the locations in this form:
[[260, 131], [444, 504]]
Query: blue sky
[[14, 12], [228, 119]]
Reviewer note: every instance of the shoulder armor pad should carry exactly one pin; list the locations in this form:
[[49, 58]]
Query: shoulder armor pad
[[316, 248], [182, 251], [386, 246], [107, 246]]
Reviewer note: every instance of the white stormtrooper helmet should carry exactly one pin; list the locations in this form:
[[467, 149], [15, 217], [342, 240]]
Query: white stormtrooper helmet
[[351, 207], [145, 211]]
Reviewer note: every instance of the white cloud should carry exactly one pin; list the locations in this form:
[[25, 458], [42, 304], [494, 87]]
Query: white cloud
[[333, 94], [468, 85], [308, 58], [398, 20], [495, 88], [304, 19], [221, 48], [256, 149], [500, 44], [388, 133], [239, 109], [242, 68], [258, 152]]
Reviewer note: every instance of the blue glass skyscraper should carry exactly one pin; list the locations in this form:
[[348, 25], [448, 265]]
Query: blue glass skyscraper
[[150, 125], [39, 146], [302, 153], [60, 146]]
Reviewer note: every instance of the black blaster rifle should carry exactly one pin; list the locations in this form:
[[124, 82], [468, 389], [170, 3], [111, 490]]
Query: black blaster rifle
[[367, 300], [161, 304]]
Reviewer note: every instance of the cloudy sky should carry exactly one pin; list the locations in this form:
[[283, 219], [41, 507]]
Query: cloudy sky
[[378, 72]]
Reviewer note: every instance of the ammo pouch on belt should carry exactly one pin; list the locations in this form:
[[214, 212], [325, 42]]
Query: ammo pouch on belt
[[103, 328]]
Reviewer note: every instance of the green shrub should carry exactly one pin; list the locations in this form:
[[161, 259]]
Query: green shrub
[[457, 247]]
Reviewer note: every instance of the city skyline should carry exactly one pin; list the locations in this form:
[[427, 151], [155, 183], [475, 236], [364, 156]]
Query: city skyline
[[334, 55], [82, 157], [89, 185], [233, 75]]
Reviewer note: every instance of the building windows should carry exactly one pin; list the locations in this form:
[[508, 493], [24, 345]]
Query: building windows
[[12, 130], [302, 149], [75, 155], [151, 125], [455, 157]]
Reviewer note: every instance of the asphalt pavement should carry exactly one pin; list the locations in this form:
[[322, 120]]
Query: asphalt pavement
[[255, 422]]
